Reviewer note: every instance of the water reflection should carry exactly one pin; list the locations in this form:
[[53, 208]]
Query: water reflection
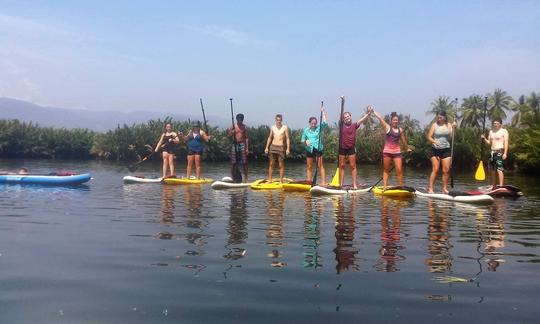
[[390, 235], [313, 211], [492, 235], [439, 259], [345, 225], [237, 225], [275, 201], [167, 204]]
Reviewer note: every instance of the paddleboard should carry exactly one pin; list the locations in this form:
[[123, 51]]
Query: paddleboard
[[186, 181], [501, 191], [263, 184], [227, 183], [457, 196], [297, 186], [333, 190], [396, 191], [52, 179], [141, 179]]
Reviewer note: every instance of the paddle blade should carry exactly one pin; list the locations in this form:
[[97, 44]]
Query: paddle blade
[[133, 167], [335, 179], [480, 173]]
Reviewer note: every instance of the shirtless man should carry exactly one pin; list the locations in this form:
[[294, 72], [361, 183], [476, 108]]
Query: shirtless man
[[498, 139], [239, 149], [277, 147]]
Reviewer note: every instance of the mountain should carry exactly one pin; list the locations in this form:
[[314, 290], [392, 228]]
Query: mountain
[[98, 120]]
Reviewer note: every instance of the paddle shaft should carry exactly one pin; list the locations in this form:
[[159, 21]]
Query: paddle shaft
[[318, 148], [204, 117], [452, 150], [376, 183], [483, 128]]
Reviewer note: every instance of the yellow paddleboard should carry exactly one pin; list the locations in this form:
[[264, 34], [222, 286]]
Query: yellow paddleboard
[[263, 184], [186, 181], [297, 186], [394, 191]]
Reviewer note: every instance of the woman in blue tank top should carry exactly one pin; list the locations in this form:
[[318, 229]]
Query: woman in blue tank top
[[439, 136], [194, 140]]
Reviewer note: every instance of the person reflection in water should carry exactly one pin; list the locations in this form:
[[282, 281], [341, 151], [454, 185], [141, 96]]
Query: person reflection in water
[[439, 260], [390, 236], [312, 232], [237, 226], [493, 236], [345, 226], [274, 231]]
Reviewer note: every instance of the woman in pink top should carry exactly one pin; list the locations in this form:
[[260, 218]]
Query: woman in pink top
[[394, 136], [347, 146]]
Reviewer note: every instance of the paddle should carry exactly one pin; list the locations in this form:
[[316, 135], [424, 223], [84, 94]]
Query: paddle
[[204, 117], [480, 173], [376, 183], [134, 166], [236, 174], [452, 151], [314, 182], [335, 180]]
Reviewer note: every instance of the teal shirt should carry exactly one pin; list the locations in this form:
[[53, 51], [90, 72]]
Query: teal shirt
[[313, 137]]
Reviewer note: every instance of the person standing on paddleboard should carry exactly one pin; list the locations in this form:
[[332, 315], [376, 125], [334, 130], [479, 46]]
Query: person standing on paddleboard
[[498, 140], [394, 136], [195, 147], [278, 146], [439, 136], [240, 145], [347, 146], [314, 146], [166, 144]]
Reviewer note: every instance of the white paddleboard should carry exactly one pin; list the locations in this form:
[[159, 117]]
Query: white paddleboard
[[133, 179], [320, 190], [227, 183], [473, 199]]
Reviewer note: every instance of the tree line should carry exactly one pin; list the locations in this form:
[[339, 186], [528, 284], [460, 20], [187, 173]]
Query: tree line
[[132, 142]]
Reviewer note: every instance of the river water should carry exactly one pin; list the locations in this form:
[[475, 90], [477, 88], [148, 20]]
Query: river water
[[113, 253]]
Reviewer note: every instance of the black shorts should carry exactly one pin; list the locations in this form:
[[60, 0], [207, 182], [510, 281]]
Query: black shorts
[[194, 152], [441, 153], [347, 152], [314, 153]]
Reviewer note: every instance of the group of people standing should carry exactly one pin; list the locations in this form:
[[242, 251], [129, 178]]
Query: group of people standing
[[278, 147]]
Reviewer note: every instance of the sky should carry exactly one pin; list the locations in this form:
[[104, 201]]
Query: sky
[[270, 56]]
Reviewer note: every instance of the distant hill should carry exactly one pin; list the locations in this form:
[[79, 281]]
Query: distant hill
[[98, 120]]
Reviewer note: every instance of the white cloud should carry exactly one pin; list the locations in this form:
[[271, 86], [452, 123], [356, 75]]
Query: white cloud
[[232, 36]]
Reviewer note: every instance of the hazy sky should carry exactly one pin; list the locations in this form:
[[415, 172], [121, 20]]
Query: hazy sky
[[270, 56]]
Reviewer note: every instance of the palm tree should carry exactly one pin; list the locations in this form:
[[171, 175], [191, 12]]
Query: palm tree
[[534, 102], [472, 111], [498, 102], [443, 103]]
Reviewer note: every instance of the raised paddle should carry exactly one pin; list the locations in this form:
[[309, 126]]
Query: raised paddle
[[236, 174], [335, 179], [204, 117], [452, 150], [314, 182], [480, 173]]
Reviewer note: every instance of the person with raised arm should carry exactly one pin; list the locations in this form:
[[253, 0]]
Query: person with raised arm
[[394, 136], [311, 137], [347, 146]]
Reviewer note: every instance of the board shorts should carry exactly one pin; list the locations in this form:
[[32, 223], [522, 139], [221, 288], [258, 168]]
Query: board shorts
[[392, 155], [496, 161], [347, 151], [314, 153], [276, 152], [194, 152], [441, 153], [242, 153]]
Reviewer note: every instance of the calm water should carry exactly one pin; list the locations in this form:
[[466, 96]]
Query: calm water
[[110, 253]]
